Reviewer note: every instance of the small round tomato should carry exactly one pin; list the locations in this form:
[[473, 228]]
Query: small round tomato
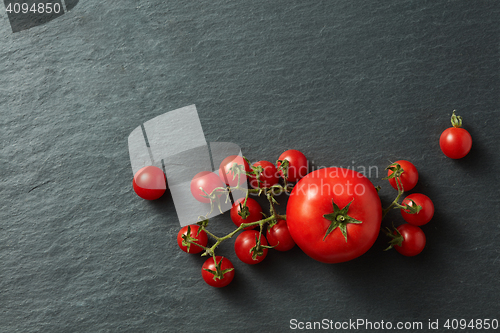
[[413, 240], [149, 182], [245, 244], [208, 181], [297, 165], [334, 214], [228, 176], [268, 177], [219, 275], [409, 177], [455, 142], [253, 213], [200, 237], [424, 215], [279, 236]]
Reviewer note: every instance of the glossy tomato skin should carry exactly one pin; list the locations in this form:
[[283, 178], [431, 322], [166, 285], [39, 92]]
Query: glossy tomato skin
[[202, 238], [455, 142], [244, 244], [268, 177], [149, 183], [409, 177], [227, 176], [208, 181], [424, 215], [414, 240], [253, 208], [312, 198], [209, 277], [279, 236], [297, 165]]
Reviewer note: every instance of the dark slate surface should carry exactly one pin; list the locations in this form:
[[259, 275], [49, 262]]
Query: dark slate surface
[[348, 83]]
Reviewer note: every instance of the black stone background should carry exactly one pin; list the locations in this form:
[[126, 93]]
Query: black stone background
[[348, 83]]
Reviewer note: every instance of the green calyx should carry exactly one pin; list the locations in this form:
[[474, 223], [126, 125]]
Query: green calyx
[[218, 273], [456, 121], [396, 238], [339, 219]]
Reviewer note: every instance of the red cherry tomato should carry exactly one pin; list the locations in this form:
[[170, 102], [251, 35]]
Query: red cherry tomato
[[334, 214], [424, 215], [297, 165], [209, 272], [206, 180], [254, 212], [455, 142], [279, 236], [413, 240], [149, 183], [409, 177], [245, 242], [201, 237], [228, 176], [268, 177]]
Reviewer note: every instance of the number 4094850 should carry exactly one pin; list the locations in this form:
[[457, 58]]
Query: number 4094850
[[40, 8]]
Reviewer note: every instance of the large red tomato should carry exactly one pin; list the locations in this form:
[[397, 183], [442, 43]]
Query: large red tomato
[[334, 214]]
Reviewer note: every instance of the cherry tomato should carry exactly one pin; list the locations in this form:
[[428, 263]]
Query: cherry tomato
[[409, 177], [227, 175], [455, 142], [334, 214], [206, 180], [201, 238], [245, 242], [413, 240], [297, 165], [424, 215], [254, 212], [279, 236], [217, 276], [149, 182], [268, 176]]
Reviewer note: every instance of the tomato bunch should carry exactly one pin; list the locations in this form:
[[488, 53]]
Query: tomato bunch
[[333, 214]]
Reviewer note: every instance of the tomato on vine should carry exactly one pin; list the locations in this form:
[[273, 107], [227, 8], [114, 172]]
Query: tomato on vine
[[194, 235], [424, 213], [217, 273], [407, 239], [296, 166], [248, 212], [455, 142], [203, 184], [279, 237], [227, 173], [407, 173], [265, 174], [334, 214], [149, 182], [247, 249]]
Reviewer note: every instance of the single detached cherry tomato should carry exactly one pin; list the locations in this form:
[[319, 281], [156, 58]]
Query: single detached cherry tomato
[[424, 215], [245, 244], [413, 241], [149, 182], [409, 177], [228, 176], [297, 165], [268, 176], [279, 236], [253, 212], [206, 180], [455, 142], [199, 236], [219, 275], [334, 214]]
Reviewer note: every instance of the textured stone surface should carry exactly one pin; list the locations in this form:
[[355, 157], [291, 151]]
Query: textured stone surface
[[349, 84]]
